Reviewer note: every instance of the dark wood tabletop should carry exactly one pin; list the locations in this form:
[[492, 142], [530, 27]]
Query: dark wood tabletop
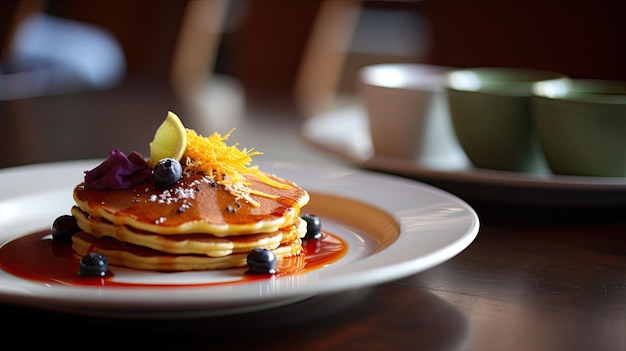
[[533, 279]]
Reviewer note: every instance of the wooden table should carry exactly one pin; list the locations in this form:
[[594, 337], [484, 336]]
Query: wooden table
[[550, 279]]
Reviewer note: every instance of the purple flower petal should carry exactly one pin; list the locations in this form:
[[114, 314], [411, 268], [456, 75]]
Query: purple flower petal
[[118, 172]]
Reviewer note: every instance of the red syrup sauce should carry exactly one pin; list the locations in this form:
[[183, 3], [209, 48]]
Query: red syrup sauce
[[36, 257]]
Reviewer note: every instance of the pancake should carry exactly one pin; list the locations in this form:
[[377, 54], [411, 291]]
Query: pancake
[[205, 244], [143, 258], [196, 205]]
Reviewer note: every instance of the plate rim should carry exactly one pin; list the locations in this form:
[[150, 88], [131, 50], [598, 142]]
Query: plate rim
[[111, 299]]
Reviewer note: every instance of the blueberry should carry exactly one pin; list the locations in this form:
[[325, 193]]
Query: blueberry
[[261, 261], [63, 228], [313, 226], [167, 172], [93, 265]]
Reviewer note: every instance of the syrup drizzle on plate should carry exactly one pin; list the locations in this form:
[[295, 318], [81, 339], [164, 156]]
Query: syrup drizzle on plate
[[38, 258]]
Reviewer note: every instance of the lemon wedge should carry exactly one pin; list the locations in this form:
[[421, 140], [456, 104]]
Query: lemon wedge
[[170, 140]]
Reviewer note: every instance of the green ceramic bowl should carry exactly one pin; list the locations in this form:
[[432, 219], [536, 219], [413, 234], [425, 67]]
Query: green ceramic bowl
[[490, 110], [581, 125]]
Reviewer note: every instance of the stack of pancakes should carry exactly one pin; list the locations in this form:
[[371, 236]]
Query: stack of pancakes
[[194, 225]]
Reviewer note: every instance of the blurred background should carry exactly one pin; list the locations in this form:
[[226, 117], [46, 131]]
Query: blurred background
[[77, 77]]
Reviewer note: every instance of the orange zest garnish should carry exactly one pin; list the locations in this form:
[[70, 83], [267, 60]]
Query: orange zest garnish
[[226, 165]]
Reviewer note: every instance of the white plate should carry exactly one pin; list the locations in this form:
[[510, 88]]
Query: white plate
[[344, 133], [394, 227]]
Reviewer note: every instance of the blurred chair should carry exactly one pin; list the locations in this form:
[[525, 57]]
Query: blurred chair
[[197, 44], [350, 34], [325, 56]]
